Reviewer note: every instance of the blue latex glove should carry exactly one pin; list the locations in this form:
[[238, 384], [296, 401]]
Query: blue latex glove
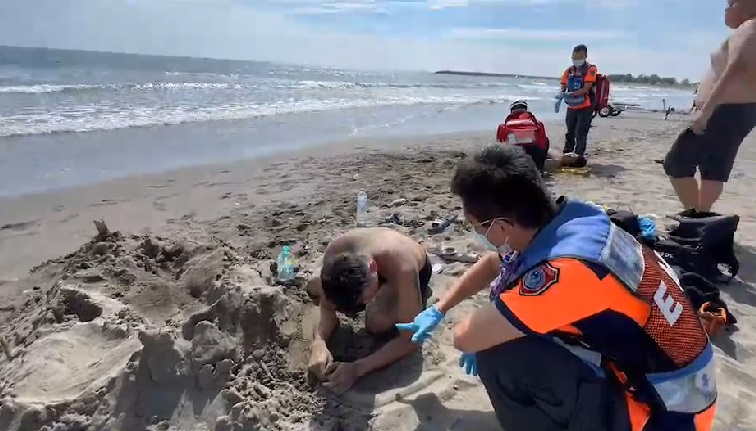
[[423, 325], [469, 362], [560, 96]]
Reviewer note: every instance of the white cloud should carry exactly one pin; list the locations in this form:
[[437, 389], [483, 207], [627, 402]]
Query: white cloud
[[531, 34], [229, 29]]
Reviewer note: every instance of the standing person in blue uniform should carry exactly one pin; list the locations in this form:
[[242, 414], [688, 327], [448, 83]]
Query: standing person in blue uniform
[[587, 328], [576, 86]]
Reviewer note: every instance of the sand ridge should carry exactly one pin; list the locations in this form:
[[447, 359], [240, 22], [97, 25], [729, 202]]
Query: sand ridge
[[180, 326]]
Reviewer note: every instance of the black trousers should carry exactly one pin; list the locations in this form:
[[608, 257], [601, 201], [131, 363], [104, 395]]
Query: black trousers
[[578, 123], [537, 385]]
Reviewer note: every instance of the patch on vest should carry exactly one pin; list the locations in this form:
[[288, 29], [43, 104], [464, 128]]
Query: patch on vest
[[623, 256], [538, 280]]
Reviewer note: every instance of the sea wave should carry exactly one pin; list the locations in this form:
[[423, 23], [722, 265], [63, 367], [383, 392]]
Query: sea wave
[[94, 118], [262, 83], [75, 88]]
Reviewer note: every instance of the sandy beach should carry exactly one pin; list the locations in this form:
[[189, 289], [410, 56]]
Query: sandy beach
[[172, 321]]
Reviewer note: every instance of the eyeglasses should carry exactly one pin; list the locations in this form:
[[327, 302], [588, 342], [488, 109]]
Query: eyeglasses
[[485, 223]]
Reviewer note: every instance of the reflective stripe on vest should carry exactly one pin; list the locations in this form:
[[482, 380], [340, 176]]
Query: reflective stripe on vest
[[691, 389]]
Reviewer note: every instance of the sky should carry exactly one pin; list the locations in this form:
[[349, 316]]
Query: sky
[[666, 37]]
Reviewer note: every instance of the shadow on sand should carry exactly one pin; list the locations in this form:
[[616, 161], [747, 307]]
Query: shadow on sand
[[450, 419], [606, 170], [742, 290]]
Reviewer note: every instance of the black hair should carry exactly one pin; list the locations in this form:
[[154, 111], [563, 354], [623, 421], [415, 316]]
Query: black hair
[[344, 277], [502, 181], [581, 48]]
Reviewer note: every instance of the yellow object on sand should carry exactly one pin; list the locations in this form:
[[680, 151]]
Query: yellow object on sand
[[584, 171]]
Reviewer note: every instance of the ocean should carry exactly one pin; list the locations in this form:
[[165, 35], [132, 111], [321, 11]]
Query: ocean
[[74, 117]]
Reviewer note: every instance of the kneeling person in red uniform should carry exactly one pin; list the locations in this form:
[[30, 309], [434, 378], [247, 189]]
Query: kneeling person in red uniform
[[592, 330], [523, 129]]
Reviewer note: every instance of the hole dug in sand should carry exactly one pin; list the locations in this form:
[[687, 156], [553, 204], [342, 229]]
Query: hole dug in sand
[[64, 365]]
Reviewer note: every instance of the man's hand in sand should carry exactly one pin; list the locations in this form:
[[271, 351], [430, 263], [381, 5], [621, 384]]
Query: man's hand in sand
[[320, 360], [342, 376]]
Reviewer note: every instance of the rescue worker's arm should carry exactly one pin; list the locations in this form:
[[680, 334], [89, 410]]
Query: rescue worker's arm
[[405, 281], [588, 81], [563, 82], [741, 61], [549, 297], [476, 332], [475, 279]]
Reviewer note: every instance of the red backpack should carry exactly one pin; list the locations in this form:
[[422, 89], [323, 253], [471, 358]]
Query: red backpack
[[523, 128], [601, 92], [600, 89]]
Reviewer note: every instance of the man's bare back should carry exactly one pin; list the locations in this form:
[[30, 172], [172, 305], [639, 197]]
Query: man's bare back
[[377, 270], [389, 249]]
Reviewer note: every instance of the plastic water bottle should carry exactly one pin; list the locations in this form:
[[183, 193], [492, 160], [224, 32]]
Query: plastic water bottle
[[362, 209], [285, 264]]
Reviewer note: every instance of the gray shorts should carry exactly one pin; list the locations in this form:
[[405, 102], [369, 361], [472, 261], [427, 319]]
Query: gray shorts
[[714, 151]]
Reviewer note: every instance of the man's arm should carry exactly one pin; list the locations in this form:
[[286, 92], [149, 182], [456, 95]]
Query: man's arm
[[475, 279], [474, 334], [557, 294], [327, 320], [407, 284], [741, 60]]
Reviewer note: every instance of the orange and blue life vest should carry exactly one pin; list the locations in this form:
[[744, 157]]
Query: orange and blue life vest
[[575, 79], [617, 305]]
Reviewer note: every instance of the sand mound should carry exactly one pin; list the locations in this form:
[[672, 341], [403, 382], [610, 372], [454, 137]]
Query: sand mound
[[140, 333]]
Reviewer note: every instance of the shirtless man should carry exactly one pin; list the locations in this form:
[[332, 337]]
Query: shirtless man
[[725, 113], [377, 270]]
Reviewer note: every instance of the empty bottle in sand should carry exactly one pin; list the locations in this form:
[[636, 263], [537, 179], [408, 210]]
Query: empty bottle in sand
[[285, 264], [362, 209]]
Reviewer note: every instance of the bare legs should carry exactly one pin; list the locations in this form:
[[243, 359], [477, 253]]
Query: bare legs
[[694, 195]]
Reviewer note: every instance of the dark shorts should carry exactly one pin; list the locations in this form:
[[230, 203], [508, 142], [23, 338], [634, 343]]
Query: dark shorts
[[536, 384], [425, 275], [714, 151]]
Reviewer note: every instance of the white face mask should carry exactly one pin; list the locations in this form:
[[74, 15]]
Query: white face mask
[[578, 63], [503, 250]]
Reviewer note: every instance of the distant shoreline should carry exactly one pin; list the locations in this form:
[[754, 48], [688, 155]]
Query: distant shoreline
[[613, 78], [491, 75]]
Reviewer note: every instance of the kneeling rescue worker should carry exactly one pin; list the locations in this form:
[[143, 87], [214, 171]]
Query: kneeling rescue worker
[[522, 128], [593, 331]]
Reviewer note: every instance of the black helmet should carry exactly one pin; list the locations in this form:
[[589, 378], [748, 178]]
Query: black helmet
[[518, 104]]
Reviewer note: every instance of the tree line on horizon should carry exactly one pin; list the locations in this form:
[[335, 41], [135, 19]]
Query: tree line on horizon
[[652, 79]]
